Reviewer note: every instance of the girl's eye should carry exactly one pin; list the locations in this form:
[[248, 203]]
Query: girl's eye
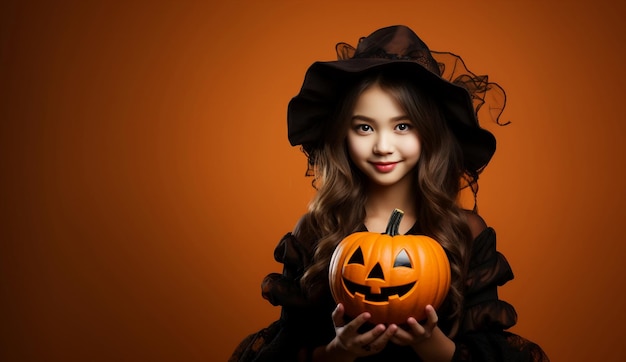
[[363, 128], [403, 127]]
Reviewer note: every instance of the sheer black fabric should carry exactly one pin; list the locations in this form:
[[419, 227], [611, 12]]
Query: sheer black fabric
[[306, 323], [450, 67]]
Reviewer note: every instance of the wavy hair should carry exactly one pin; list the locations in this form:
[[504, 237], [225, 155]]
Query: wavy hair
[[338, 207]]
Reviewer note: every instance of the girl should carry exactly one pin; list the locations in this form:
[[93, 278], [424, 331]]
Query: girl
[[383, 130]]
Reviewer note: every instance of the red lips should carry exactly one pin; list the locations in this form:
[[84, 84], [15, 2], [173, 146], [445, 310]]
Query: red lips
[[384, 167]]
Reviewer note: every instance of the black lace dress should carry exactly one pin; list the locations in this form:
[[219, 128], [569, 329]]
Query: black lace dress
[[306, 323]]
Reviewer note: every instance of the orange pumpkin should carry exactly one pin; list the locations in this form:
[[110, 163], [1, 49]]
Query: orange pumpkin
[[391, 276]]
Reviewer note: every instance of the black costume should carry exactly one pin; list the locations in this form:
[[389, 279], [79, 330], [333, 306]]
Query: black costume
[[306, 323]]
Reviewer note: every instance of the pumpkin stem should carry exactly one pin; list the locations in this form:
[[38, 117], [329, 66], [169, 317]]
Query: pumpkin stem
[[393, 226]]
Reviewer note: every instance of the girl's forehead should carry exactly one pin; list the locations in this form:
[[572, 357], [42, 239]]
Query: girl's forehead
[[378, 99], [376, 96]]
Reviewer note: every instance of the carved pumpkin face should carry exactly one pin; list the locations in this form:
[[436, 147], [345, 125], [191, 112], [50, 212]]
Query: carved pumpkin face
[[390, 276]]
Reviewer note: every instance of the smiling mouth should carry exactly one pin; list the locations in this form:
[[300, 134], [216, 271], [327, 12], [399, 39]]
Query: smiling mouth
[[384, 166], [385, 292]]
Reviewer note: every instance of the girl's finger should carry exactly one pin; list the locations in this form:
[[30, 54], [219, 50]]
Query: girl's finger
[[406, 336], [403, 337], [432, 318], [381, 339], [356, 323], [338, 316]]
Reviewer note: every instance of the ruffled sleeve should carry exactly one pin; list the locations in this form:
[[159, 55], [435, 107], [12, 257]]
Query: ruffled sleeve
[[284, 289], [305, 320], [482, 335]]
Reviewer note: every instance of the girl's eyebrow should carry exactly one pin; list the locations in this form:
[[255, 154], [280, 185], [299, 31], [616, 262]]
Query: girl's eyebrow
[[359, 117]]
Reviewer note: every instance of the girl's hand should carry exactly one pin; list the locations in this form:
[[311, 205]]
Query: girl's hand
[[426, 339], [349, 344], [417, 333]]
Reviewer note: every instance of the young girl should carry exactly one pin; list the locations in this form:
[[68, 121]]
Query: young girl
[[383, 130]]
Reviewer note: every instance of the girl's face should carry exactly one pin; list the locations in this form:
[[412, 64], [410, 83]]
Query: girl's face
[[382, 141]]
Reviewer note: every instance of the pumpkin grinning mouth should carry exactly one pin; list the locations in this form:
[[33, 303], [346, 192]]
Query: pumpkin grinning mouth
[[385, 292]]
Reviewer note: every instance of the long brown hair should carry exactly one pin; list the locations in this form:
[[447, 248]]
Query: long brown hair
[[338, 207]]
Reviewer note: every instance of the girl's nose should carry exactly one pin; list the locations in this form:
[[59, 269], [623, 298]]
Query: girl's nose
[[383, 145]]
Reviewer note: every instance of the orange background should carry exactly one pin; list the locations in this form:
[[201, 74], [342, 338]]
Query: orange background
[[146, 175]]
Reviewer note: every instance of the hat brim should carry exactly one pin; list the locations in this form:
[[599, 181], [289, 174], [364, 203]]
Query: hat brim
[[326, 82]]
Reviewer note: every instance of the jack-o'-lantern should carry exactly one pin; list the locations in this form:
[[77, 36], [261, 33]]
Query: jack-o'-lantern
[[391, 276]]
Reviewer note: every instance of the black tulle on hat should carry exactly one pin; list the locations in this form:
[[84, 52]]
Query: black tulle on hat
[[459, 92]]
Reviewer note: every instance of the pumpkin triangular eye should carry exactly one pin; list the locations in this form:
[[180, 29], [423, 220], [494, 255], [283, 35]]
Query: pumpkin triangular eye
[[403, 260], [357, 257], [377, 272]]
